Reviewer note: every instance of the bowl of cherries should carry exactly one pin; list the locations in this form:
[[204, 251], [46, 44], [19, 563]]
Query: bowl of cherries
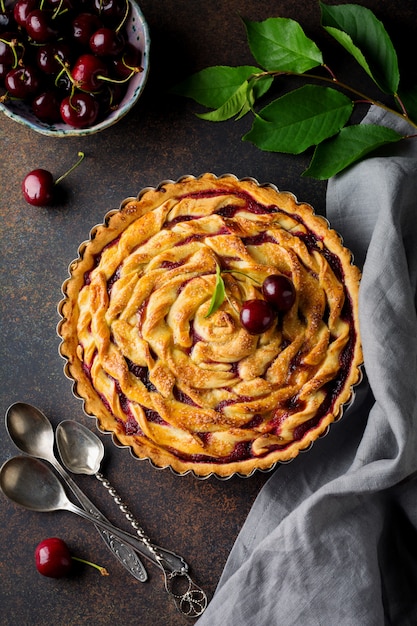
[[71, 67]]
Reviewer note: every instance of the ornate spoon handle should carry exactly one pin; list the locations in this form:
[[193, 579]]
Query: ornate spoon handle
[[189, 598], [123, 552]]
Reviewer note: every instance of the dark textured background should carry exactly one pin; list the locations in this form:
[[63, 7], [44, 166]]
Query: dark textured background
[[159, 139]]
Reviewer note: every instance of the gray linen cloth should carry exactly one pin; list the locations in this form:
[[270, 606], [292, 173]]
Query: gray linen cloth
[[332, 537]]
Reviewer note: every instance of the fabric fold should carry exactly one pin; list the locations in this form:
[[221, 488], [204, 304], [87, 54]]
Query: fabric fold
[[321, 540]]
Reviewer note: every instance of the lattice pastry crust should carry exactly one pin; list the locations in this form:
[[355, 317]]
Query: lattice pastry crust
[[194, 391]]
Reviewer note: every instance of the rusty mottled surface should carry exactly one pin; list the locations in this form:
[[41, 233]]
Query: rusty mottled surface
[[159, 139]]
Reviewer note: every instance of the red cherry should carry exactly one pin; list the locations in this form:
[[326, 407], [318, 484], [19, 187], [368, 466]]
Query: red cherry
[[83, 26], [46, 57], [127, 63], [80, 110], [279, 291], [88, 72], [38, 187], [46, 106], [53, 558], [22, 82], [107, 42], [21, 10], [257, 316], [40, 27], [110, 9]]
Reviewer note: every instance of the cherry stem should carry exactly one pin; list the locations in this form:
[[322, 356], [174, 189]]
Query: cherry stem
[[106, 79], [81, 157], [58, 11], [13, 44], [102, 570], [124, 17], [243, 274]]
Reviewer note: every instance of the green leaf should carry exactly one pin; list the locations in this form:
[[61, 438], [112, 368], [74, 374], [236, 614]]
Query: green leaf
[[219, 293], [214, 86], [347, 147], [358, 30], [280, 44], [300, 119], [233, 106]]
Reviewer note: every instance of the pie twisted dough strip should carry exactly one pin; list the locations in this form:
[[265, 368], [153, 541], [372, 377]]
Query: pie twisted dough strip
[[198, 392]]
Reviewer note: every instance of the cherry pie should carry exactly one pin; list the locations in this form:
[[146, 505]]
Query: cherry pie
[[154, 341]]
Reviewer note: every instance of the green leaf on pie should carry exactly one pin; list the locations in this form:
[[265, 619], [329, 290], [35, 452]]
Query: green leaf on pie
[[347, 147], [358, 30], [280, 44], [300, 119], [219, 293], [214, 86]]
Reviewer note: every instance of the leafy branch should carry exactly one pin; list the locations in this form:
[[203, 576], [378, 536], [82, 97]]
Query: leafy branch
[[314, 115]]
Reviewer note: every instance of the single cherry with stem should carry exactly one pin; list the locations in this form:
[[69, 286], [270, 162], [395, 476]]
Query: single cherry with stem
[[54, 560], [127, 63], [109, 42], [79, 110], [89, 72], [21, 82], [38, 186]]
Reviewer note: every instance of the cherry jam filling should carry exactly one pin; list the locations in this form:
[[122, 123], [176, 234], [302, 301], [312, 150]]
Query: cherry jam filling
[[182, 397], [230, 210], [131, 427], [170, 265], [154, 417], [257, 240], [97, 259], [193, 238], [179, 219], [219, 408], [112, 280], [141, 372]]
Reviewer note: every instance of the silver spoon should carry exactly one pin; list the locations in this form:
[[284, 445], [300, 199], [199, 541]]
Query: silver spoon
[[29, 482], [31, 432], [82, 452]]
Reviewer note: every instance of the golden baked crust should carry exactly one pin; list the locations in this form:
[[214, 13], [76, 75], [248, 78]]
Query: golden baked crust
[[194, 391]]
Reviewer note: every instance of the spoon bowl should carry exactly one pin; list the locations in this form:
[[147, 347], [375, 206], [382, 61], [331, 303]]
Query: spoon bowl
[[30, 430], [30, 483], [81, 451]]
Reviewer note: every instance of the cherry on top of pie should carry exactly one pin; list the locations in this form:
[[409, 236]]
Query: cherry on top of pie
[[184, 383]]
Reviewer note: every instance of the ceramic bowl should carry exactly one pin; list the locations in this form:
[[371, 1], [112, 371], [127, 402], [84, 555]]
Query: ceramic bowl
[[138, 34]]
